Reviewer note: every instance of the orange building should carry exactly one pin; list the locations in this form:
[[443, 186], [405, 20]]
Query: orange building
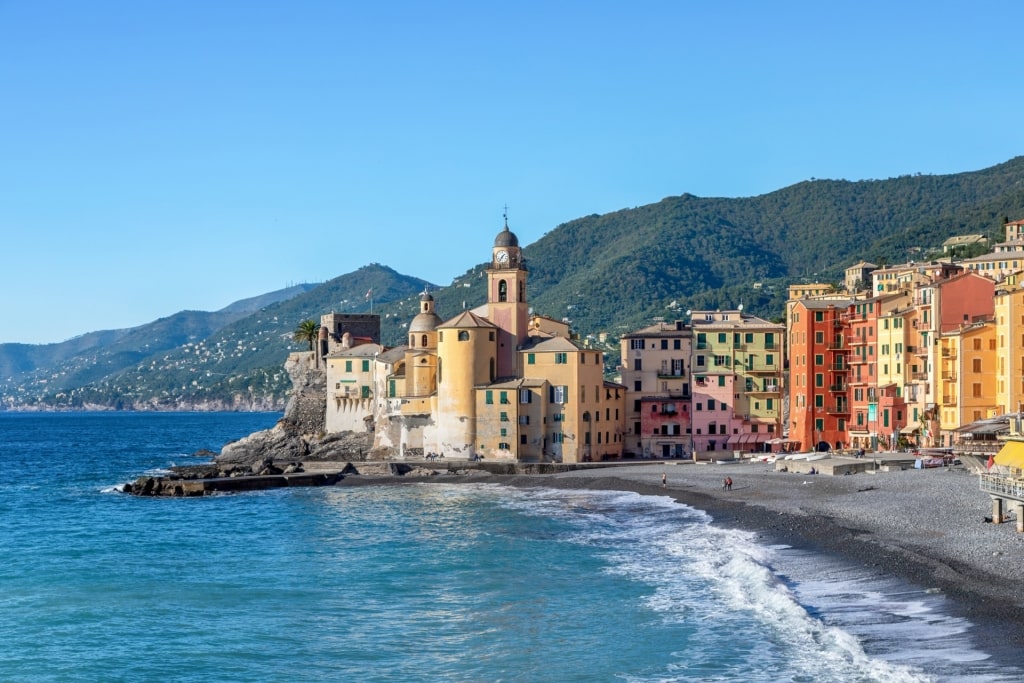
[[819, 407]]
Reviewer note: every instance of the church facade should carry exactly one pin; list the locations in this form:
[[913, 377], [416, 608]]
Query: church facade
[[495, 382]]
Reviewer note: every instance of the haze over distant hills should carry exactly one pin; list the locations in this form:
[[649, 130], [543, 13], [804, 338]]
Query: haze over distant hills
[[605, 273]]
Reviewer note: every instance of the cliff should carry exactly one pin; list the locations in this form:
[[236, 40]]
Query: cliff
[[299, 434]]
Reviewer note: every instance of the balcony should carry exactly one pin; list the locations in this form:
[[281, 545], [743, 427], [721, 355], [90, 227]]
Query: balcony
[[836, 346], [838, 409], [978, 447], [948, 401], [949, 353], [1002, 486], [353, 392], [838, 387], [949, 375], [839, 367]]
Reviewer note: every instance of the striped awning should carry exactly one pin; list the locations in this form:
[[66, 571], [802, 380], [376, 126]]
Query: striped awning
[[1011, 455]]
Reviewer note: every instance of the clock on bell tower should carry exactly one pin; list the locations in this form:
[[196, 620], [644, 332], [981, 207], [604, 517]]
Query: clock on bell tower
[[506, 299]]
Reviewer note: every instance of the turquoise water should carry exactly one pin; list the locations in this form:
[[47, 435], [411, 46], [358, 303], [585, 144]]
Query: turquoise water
[[428, 582]]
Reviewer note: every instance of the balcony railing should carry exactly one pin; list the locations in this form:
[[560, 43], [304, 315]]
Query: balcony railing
[[838, 387], [919, 376], [1007, 487], [985, 447], [949, 353], [838, 409], [949, 375]]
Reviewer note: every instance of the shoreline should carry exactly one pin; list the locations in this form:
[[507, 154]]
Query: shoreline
[[924, 527]]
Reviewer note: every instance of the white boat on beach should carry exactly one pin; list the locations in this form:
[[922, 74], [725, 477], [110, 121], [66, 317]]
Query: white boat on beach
[[798, 456], [816, 456]]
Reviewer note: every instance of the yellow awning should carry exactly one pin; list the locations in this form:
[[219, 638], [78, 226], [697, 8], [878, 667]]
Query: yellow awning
[[1011, 455]]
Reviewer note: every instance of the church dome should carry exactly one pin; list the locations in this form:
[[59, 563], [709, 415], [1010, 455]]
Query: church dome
[[506, 238], [425, 322]]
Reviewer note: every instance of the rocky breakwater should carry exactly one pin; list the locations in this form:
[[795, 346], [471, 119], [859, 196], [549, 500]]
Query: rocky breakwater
[[201, 480]]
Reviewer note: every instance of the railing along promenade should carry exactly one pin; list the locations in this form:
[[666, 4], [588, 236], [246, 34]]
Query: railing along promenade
[[999, 485]]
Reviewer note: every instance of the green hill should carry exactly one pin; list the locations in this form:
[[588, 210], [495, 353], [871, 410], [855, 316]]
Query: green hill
[[237, 364], [604, 273]]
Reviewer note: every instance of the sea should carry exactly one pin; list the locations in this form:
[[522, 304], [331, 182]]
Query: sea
[[417, 582]]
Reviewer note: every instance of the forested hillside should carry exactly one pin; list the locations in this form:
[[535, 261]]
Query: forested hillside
[[604, 273]]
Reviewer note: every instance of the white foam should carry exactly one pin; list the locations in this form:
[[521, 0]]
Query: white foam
[[820, 614]]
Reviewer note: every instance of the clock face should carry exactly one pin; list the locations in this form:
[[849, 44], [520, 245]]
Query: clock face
[[502, 256]]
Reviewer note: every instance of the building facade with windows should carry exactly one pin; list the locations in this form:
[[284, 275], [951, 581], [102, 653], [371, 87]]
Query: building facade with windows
[[737, 370], [655, 373], [820, 373]]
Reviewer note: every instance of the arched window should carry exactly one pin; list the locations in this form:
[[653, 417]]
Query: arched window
[[522, 291], [412, 340], [463, 335], [502, 290], [423, 340]]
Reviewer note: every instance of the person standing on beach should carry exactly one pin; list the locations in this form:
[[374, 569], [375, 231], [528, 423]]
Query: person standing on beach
[[664, 479]]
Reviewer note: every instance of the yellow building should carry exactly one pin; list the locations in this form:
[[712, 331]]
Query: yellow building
[[496, 382], [1009, 314], [350, 387], [967, 377]]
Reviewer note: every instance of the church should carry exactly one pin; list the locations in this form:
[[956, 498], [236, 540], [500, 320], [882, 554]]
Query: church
[[494, 382]]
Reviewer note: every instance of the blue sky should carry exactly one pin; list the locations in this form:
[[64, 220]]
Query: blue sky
[[160, 156]]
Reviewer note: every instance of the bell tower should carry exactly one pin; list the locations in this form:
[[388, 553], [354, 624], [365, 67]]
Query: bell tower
[[506, 299]]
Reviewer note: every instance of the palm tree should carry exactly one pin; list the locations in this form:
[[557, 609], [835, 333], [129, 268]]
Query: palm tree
[[307, 331]]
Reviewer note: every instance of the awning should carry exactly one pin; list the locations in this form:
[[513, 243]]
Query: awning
[[910, 429], [1011, 455]]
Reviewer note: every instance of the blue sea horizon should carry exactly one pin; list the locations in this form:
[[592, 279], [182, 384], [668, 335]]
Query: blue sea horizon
[[424, 582]]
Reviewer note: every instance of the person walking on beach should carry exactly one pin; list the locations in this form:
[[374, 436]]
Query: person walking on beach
[[664, 479], [727, 485]]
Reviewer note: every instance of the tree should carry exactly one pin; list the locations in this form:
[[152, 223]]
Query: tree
[[307, 331]]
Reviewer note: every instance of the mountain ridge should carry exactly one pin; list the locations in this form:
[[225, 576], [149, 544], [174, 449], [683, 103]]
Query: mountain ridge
[[608, 273]]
